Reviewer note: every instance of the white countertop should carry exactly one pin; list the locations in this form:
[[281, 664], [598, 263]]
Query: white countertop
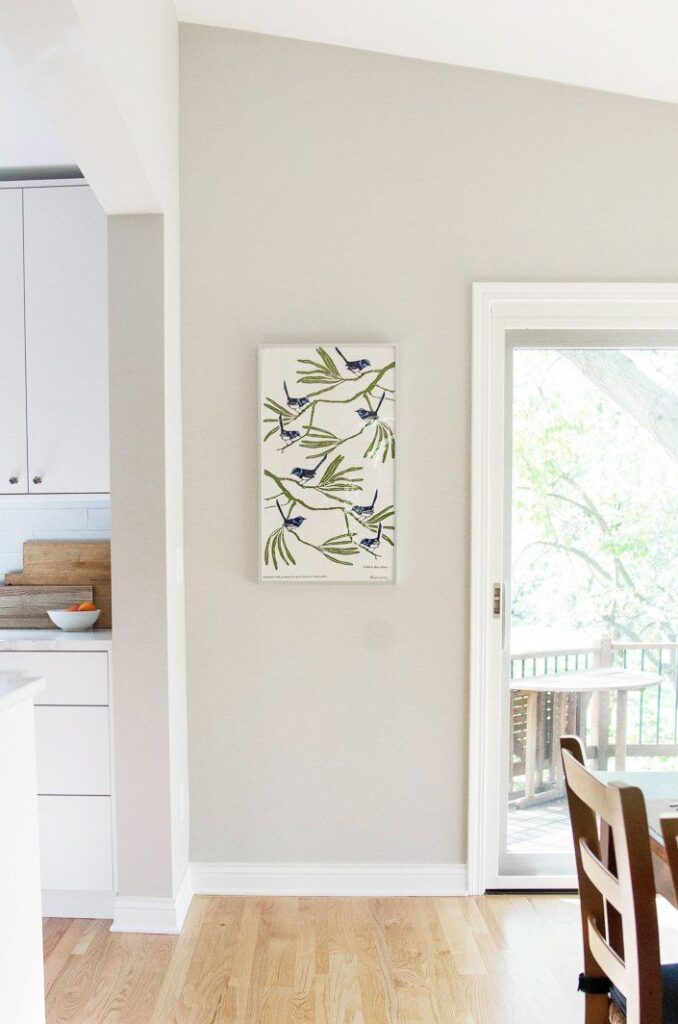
[[55, 640], [16, 686]]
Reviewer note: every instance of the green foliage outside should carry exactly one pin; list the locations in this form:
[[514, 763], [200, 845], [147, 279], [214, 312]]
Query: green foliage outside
[[594, 512]]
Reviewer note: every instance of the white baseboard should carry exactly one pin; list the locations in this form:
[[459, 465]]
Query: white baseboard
[[184, 895], [367, 879], [165, 915], [77, 903], [160, 915]]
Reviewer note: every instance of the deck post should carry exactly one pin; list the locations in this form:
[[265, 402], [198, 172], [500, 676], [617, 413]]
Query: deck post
[[602, 706]]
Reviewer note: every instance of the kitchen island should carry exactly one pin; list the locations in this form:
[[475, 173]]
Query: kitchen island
[[21, 972]]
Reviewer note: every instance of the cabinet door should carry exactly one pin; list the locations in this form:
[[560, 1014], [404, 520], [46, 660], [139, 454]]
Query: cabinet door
[[76, 843], [13, 463], [66, 340], [73, 751], [72, 677]]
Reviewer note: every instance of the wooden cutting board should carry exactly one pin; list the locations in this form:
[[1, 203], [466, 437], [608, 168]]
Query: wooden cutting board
[[26, 607], [59, 562]]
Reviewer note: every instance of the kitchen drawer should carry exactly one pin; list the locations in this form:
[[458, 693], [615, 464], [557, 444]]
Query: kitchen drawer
[[73, 677], [73, 750], [76, 848]]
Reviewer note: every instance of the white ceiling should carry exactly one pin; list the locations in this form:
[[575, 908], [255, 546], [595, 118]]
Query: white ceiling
[[27, 136], [625, 46]]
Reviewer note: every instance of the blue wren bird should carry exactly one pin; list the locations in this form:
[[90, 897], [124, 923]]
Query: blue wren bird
[[288, 435], [294, 403], [370, 415], [365, 510], [308, 474], [354, 365], [371, 543], [292, 523]]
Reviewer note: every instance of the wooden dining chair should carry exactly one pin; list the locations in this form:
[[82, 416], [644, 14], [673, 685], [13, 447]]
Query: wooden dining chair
[[669, 827], [623, 979]]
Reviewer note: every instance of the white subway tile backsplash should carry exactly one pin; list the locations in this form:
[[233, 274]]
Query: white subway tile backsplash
[[71, 535], [10, 563], [11, 540], [24, 517], [37, 519]]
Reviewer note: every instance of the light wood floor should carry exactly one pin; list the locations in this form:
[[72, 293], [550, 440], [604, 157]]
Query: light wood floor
[[492, 960]]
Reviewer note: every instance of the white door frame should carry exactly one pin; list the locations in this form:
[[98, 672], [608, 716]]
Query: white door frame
[[498, 307]]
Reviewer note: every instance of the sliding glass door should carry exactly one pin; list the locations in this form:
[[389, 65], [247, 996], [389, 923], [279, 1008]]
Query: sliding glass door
[[591, 567]]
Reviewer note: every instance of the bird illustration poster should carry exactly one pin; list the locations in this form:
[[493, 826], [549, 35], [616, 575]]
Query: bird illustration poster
[[328, 449]]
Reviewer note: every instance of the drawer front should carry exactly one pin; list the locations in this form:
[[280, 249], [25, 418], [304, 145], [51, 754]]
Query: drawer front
[[73, 751], [73, 677], [76, 850]]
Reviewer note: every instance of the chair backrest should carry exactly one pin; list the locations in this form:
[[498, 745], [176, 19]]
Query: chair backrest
[[669, 827], [616, 886]]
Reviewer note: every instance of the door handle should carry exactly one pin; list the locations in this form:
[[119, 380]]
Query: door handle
[[499, 609]]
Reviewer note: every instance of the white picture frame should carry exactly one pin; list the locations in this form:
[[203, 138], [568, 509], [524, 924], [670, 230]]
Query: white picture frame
[[327, 496]]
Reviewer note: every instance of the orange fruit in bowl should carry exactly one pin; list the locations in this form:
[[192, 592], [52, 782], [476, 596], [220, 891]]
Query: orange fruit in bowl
[[87, 606], [73, 608]]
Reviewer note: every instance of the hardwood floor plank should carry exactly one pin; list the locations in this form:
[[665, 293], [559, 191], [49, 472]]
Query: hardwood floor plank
[[292, 960], [375, 978], [146, 978], [56, 955], [385, 969], [345, 1003], [234, 1005], [79, 979], [466, 955], [53, 931], [302, 1003], [220, 930], [175, 976]]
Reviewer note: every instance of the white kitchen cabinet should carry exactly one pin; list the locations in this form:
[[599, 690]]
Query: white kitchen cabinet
[[66, 340], [72, 677], [74, 777], [13, 452], [76, 843], [73, 751], [54, 433]]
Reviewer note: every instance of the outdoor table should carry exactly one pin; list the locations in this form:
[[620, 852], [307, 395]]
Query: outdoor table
[[597, 682]]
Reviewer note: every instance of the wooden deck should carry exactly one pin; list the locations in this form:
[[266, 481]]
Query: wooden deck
[[491, 960], [542, 828]]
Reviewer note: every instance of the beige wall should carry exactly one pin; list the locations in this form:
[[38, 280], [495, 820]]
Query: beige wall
[[333, 194], [142, 747]]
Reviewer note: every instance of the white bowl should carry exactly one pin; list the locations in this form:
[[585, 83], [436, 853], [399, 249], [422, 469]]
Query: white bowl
[[73, 622]]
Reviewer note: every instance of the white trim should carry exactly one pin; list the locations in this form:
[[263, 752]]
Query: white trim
[[95, 903], [160, 915], [183, 897], [562, 883], [496, 307], [232, 879], [44, 183], [481, 413]]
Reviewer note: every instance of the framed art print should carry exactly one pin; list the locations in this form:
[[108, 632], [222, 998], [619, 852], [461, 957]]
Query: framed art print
[[327, 463]]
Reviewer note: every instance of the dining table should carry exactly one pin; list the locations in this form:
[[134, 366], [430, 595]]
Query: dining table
[[660, 790]]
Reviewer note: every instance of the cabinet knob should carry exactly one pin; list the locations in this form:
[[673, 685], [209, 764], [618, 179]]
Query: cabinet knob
[[37, 479], [14, 479]]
